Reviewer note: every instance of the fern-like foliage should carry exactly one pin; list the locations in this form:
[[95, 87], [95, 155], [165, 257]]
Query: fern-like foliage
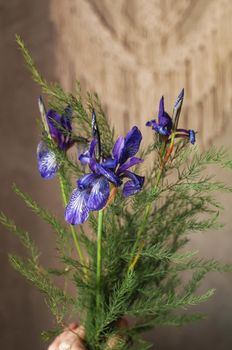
[[147, 232]]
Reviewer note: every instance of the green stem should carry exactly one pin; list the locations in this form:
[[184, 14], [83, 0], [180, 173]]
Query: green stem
[[74, 235], [99, 258], [140, 232]]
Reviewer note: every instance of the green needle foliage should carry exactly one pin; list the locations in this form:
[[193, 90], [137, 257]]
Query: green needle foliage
[[142, 259]]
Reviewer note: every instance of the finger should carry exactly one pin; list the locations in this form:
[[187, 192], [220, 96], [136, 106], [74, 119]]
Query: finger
[[72, 326], [55, 344], [80, 331], [117, 338], [73, 339]]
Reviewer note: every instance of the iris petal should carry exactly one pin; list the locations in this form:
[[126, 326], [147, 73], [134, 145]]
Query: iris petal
[[192, 136], [86, 181], [60, 127], [164, 119], [47, 162], [84, 158], [118, 147], [134, 185], [109, 163], [132, 143], [53, 120], [161, 108], [163, 130], [152, 123], [100, 170], [88, 155], [92, 147], [77, 210], [99, 194], [131, 162]]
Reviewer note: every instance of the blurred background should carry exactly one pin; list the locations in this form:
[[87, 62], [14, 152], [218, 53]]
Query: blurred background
[[130, 52]]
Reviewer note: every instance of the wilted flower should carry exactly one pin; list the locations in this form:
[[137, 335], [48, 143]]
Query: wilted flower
[[60, 131], [93, 189]]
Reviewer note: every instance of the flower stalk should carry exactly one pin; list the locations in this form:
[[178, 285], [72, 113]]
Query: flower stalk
[[99, 257], [166, 127], [73, 232]]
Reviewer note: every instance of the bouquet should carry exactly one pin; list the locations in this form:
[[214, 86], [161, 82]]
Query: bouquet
[[120, 243]]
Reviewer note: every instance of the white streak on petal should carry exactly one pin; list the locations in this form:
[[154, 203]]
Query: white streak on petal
[[77, 211], [47, 162]]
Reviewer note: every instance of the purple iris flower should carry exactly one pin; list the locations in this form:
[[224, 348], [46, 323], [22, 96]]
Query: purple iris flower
[[166, 125], [93, 189], [60, 130]]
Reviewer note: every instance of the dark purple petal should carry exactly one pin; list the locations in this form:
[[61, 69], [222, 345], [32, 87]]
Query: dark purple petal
[[100, 170], [68, 112], [192, 136], [118, 147], [60, 127], [151, 123], [66, 119], [86, 181], [85, 157], [132, 143], [134, 185], [66, 129], [163, 127], [77, 210], [164, 120], [131, 162], [162, 130], [109, 163], [47, 162], [54, 120], [161, 108], [92, 147], [99, 194]]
